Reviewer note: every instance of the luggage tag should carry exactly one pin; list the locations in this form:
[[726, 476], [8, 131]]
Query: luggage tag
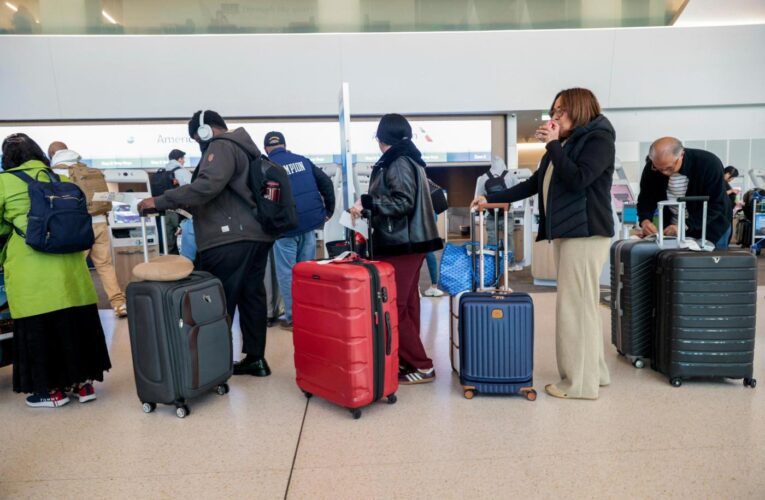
[[345, 256]]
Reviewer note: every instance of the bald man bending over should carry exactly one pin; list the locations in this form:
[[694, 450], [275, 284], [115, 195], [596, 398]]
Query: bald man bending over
[[671, 172], [55, 147]]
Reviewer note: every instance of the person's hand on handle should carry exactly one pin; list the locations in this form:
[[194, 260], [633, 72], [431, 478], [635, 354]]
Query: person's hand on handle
[[147, 205], [478, 201], [671, 230], [355, 213], [647, 228]]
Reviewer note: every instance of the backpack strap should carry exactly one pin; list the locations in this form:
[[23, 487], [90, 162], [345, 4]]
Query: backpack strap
[[258, 161], [29, 180], [491, 176], [23, 176]]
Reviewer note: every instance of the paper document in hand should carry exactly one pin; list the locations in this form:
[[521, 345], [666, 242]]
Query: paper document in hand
[[360, 225]]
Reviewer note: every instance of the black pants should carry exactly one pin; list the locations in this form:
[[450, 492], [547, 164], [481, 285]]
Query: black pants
[[241, 268]]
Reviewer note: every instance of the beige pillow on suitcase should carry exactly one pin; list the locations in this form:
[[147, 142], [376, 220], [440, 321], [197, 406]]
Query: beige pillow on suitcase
[[163, 268]]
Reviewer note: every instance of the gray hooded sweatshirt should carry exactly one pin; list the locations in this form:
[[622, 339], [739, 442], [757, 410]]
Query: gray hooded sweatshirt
[[219, 197]]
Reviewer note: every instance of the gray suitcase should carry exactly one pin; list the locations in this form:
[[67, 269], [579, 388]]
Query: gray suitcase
[[633, 267], [180, 338]]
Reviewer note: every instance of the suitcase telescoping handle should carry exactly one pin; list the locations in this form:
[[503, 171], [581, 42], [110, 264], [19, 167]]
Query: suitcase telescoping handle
[[505, 207], [144, 215], [680, 204]]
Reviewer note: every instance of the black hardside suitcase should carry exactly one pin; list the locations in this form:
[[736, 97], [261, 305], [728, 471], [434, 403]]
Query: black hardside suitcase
[[633, 267], [705, 315]]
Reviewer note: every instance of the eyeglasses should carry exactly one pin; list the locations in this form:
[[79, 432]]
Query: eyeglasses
[[667, 169], [556, 112]]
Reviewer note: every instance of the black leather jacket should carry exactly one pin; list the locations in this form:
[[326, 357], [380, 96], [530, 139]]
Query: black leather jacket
[[403, 221]]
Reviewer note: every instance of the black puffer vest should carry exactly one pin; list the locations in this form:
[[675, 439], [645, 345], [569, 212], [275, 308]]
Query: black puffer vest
[[573, 212]]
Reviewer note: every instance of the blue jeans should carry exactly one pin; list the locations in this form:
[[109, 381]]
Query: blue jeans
[[288, 252], [722, 243], [188, 240], [432, 267]]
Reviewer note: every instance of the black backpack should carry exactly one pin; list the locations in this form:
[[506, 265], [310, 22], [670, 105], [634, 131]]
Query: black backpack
[[58, 220], [276, 218], [495, 184], [162, 180]]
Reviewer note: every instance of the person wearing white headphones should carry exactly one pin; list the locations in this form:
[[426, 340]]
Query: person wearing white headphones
[[231, 243]]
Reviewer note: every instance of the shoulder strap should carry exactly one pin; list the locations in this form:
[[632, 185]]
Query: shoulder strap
[[176, 168], [491, 176], [258, 163], [504, 174], [23, 176]]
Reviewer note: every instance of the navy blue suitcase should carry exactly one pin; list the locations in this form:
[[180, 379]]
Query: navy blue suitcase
[[497, 343], [496, 338]]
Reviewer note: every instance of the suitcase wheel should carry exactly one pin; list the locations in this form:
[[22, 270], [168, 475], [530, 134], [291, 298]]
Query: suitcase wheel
[[392, 399], [307, 395], [182, 411], [530, 394], [638, 363], [676, 382], [469, 393], [356, 412], [750, 382], [149, 407], [222, 389]]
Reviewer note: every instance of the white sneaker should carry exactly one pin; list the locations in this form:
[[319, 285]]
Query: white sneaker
[[433, 291]]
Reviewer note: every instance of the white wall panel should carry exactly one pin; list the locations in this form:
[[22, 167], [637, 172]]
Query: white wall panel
[[657, 67], [445, 73], [27, 88]]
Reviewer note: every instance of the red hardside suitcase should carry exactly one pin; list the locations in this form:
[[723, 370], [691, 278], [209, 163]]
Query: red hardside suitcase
[[345, 331]]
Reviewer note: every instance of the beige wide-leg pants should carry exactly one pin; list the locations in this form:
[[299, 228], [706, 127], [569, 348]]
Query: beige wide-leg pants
[[578, 326]]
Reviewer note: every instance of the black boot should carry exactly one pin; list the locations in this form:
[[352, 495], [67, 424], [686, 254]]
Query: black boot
[[252, 366]]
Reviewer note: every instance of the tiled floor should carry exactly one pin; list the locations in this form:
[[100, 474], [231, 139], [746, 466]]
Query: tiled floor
[[642, 438]]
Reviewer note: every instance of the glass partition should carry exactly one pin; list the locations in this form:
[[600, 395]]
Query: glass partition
[[29, 17]]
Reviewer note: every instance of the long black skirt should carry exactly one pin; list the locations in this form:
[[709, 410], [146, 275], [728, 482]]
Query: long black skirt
[[59, 349]]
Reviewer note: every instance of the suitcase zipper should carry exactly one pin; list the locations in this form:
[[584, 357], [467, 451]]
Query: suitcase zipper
[[378, 333]]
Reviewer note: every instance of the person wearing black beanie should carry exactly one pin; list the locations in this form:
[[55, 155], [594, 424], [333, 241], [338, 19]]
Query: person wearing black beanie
[[404, 230]]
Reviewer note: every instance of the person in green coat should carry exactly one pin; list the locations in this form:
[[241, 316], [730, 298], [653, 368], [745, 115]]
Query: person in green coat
[[59, 345]]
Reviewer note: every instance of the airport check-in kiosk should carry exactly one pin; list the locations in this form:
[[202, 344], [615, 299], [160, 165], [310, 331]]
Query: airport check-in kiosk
[[125, 222]]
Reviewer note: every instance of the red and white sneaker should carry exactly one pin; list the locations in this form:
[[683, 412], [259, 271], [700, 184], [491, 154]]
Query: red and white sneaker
[[84, 393], [44, 400]]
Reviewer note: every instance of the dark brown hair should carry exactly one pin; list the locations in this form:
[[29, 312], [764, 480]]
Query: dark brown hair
[[19, 149], [581, 105]]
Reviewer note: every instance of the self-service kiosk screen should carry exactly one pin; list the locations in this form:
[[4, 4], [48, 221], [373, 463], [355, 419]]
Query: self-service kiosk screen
[[622, 194], [123, 214]]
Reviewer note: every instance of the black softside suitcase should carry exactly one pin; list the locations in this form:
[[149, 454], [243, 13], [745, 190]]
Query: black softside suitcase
[[705, 314], [180, 338]]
